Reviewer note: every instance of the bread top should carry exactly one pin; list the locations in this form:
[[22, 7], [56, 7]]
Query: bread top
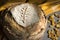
[[25, 14]]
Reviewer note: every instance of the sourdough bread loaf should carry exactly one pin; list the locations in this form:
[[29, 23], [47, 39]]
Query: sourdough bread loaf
[[25, 21]]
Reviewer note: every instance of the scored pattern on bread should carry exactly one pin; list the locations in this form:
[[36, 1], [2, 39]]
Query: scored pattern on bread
[[25, 14]]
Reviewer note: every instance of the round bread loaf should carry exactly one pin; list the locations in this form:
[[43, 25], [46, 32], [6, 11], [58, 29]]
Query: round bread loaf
[[24, 21]]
